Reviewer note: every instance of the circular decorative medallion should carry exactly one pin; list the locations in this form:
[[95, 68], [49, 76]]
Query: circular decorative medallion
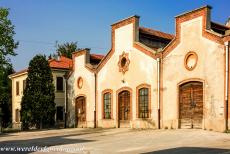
[[123, 62], [79, 82], [190, 60]]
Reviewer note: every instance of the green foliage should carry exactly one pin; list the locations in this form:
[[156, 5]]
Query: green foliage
[[38, 107], [67, 49], [7, 46], [5, 95], [7, 43]]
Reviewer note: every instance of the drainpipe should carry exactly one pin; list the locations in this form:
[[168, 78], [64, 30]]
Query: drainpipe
[[95, 118], [66, 84], [158, 92], [227, 78]]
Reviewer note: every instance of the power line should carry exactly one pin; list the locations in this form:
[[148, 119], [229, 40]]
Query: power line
[[38, 42], [55, 44]]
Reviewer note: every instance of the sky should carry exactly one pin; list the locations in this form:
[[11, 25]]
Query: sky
[[39, 24]]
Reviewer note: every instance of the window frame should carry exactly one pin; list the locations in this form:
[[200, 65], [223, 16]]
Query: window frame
[[143, 86], [107, 91], [23, 85], [17, 88], [59, 90]]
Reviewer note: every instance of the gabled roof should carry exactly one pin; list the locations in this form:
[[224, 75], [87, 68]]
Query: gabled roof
[[62, 63], [219, 28], [19, 72], [156, 33], [96, 56], [95, 59]]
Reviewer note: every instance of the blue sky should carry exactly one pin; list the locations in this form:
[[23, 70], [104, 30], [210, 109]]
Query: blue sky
[[40, 23]]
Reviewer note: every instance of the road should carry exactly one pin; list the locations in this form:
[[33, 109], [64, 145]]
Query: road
[[109, 141]]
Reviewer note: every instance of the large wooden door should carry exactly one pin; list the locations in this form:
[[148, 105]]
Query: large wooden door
[[80, 112], [191, 105], [124, 109]]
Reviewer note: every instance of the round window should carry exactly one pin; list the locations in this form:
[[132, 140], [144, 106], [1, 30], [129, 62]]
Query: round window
[[123, 61], [191, 60], [79, 82]]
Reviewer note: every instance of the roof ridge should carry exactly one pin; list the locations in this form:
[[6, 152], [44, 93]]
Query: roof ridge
[[156, 30]]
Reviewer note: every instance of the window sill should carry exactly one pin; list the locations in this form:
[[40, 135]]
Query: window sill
[[59, 91], [108, 119], [143, 118]]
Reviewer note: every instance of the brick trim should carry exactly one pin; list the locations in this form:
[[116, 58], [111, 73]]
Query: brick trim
[[202, 12], [87, 57], [80, 79], [145, 51], [226, 38], [114, 27], [186, 58], [144, 85], [135, 21]]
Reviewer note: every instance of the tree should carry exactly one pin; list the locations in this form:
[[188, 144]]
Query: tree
[[5, 96], [38, 107], [7, 43], [7, 46], [67, 49]]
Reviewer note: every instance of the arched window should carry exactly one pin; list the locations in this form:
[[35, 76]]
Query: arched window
[[107, 105], [143, 102]]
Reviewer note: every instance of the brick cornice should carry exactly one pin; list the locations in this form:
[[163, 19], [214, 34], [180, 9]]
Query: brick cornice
[[79, 53], [203, 12]]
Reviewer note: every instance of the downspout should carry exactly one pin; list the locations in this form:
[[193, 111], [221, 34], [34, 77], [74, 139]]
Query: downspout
[[66, 84], [227, 78], [95, 117], [158, 92]]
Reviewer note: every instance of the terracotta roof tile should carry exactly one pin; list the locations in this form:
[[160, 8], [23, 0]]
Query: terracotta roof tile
[[62, 63], [156, 33]]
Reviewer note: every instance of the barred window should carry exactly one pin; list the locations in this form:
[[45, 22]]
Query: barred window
[[143, 103], [107, 105]]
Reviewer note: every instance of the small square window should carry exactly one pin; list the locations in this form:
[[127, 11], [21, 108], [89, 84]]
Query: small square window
[[59, 84]]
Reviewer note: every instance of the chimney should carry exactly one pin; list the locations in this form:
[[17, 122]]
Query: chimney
[[228, 22]]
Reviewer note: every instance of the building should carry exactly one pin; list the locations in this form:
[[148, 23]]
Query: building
[[60, 67], [151, 79]]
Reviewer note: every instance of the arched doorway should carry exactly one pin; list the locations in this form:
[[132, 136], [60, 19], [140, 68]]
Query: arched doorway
[[80, 112], [124, 109], [191, 105]]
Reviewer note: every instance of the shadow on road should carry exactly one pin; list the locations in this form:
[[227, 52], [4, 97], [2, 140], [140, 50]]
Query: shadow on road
[[41, 142], [190, 150]]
